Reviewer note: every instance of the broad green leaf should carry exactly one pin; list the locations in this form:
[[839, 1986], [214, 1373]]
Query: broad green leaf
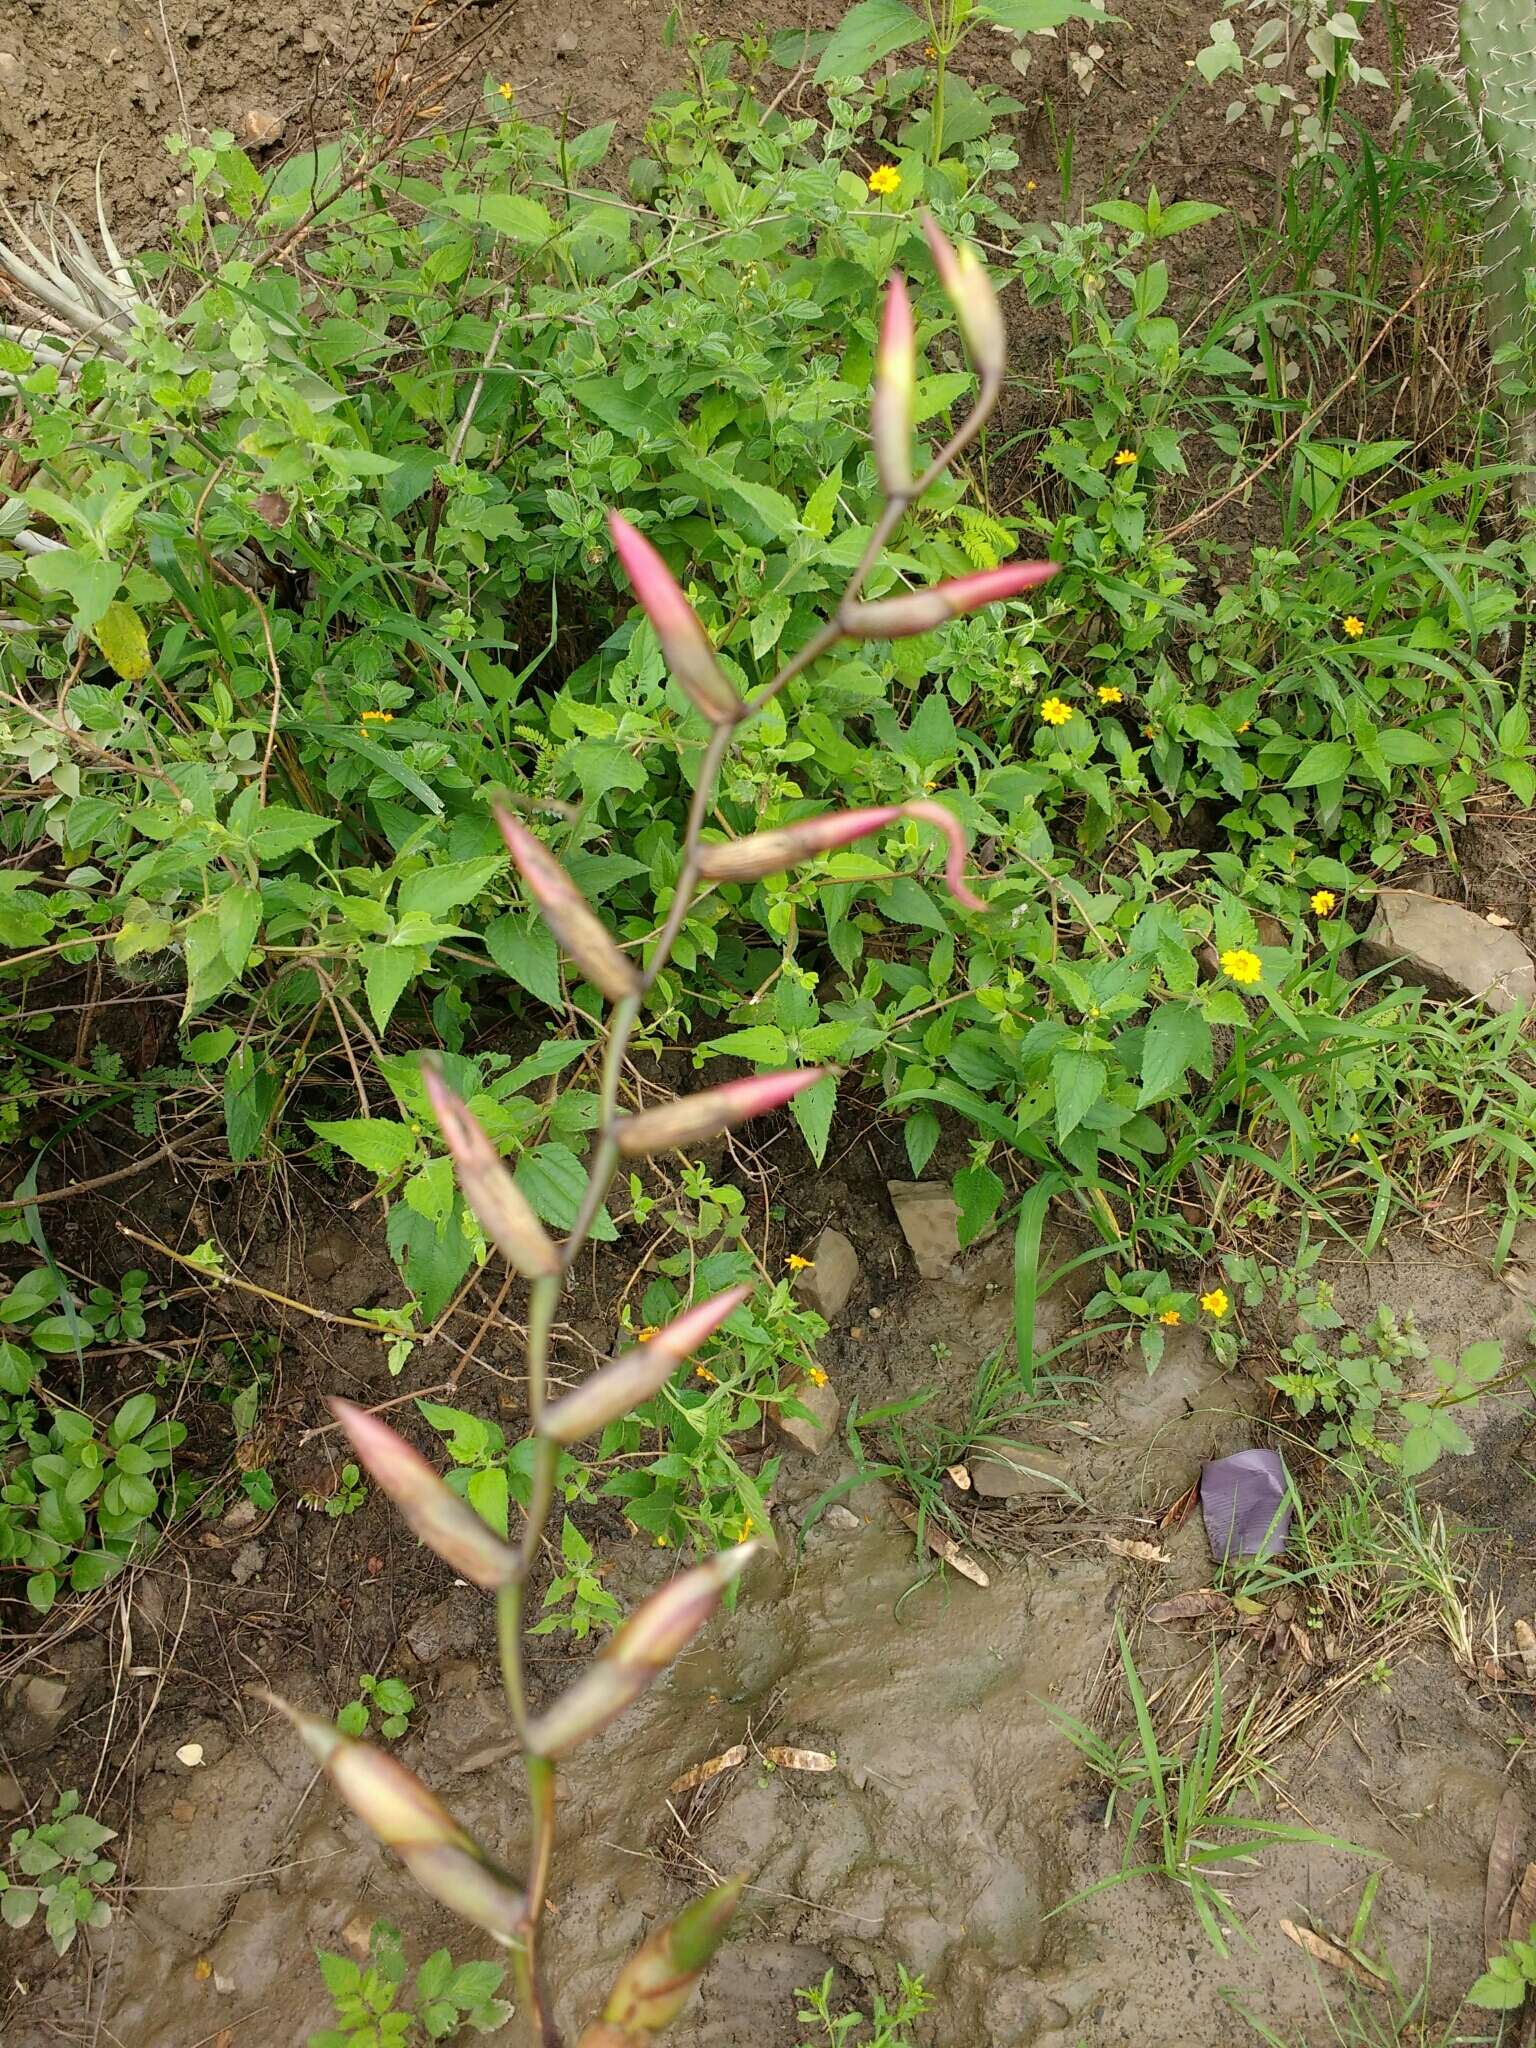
[[1028, 17], [379, 1143], [90, 583], [1176, 1038], [239, 920], [979, 1193], [250, 1095], [553, 1179], [389, 972], [510, 213], [120, 635], [813, 1112], [133, 1418], [766, 513], [524, 947], [866, 33], [1079, 1079], [1325, 761], [438, 890]]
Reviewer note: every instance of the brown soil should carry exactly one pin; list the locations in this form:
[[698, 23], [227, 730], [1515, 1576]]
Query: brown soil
[[959, 1815]]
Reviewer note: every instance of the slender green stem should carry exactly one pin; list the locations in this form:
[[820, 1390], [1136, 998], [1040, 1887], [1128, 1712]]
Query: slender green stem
[[509, 1644]]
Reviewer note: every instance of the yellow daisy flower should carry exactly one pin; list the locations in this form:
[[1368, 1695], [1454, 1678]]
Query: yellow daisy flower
[[1238, 964], [1354, 627], [1108, 694], [644, 1336], [702, 1372], [1324, 902], [816, 1376], [1054, 712], [798, 1265], [884, 179], [1215, 1303], [504, 90], [1170, 1316], [378, 718], [1125, 458]]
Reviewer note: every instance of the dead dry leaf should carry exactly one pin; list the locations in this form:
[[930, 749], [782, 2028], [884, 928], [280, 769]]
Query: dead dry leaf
[[1143, 1553], [1522, 1914], [190, 1754], [700, 1774], [1503, 1866], [800, 1759], [1525, 1643], [940, 1544], [1497, 917], [961, 1477], [1206, 1605], [1325, 1951]]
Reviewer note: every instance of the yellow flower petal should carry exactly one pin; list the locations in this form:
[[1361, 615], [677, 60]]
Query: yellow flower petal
[[1215, 1303]]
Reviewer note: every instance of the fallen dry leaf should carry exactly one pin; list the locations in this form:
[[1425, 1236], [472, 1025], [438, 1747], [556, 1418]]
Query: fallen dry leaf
[[1337, 1958], [1173, 1517], [1497, 917], [1525, 1643], [1522, 1914], [1301, 1640], [358, 1934], [190, 1754], [727, 1760], [961, 1477], [1503, 1863], [940, 1544], [1205, 1605], [800, 1759], [1144, 1553]]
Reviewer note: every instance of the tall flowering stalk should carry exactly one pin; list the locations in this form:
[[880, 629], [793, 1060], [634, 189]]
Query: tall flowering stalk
[[657, 1980]]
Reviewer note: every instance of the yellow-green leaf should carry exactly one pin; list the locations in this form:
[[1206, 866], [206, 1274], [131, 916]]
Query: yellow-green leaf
[[120, 635]]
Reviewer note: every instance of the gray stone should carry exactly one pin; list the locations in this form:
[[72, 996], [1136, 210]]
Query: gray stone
[[1017, 1472], [249, 1559], [329, 1252], [1448, 950], [45, 1697], [458, 1679], [813, 1431], [831, 1277], [930, 1222], [446, 1630], [12, 1798]]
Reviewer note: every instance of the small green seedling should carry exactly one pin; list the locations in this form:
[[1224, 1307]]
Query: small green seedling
[[390, 1698], [61, 1855], [444, 1997]]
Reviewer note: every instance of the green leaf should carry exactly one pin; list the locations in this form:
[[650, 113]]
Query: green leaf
[[1496, 1992], [921, 1132], [489, 1495], [554, 1179], [1185, 213], [250, 1096], [132, 1419], [1121, 213], [1176, 1038], [626, 412], [766, 513], [979, 1194], [763, 1043], [510, 213], [813, 1111], [388, 973], [524, 947], [1420, 1448], [279, 830], [120, 635], [1325, 761], [1028, 17], [867, 33], [239, 920], [438, 890], [378, 1143], [1079, 1079], [90, 584]]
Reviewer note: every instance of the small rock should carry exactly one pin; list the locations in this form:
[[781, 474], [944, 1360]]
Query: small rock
[[313, 42], [261, 128], [814, 1430], [1017, 1474], [445, 1631], [10, 68], [12, 1798], [458, 1679], [45, 1697], [249, 1559], [930, 1222], [333, 1247], [567, 43], [1448, 950], [841, 1517], [826, 1283], [183, 1811]]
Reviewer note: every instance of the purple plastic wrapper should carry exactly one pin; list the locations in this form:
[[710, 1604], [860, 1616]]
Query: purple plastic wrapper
[[1246, 1503]]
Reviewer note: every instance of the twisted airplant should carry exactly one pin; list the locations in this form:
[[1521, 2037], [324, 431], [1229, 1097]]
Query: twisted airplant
[[657, 1980]]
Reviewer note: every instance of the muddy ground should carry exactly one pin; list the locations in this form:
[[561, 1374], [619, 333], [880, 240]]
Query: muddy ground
[[959, 1815]]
